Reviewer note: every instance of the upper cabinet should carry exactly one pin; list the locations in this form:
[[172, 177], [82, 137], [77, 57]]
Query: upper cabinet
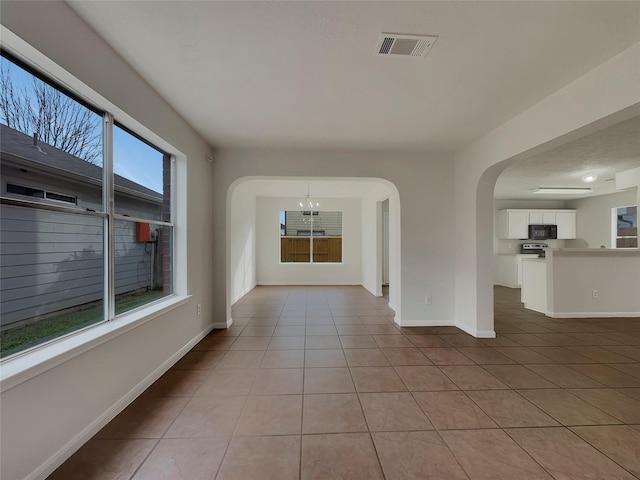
[[514, 223], [566, 221]]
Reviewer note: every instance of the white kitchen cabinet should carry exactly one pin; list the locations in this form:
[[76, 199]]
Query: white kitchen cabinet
[[510, 269], [566, 222], [513, 224]]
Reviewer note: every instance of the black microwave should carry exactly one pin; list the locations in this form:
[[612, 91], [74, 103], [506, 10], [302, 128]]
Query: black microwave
[[543, 232]]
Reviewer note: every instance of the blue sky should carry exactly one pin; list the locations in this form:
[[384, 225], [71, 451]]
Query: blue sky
[[132, 158]]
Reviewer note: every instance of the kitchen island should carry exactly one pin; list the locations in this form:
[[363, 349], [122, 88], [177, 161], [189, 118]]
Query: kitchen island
[[583, 283]]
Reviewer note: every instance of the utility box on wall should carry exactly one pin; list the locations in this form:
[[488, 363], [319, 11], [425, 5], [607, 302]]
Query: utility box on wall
[[143, 232]]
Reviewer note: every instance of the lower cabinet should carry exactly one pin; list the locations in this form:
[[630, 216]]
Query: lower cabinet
[[510, 269]]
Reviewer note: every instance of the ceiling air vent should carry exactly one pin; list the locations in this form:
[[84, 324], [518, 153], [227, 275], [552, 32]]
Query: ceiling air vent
[[393, 44]]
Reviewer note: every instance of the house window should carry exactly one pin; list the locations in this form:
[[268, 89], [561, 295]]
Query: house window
[[310, 237], [625, 227], [39, 193], [71, 261]]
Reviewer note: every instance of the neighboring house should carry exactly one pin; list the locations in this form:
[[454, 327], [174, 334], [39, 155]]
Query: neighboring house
[[51, 261]]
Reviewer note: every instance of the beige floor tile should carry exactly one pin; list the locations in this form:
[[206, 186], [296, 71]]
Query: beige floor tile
[[424, 378], [396, 411], [377, 379], [241, 359], [278, 381], [406, 356], [566, 408], [345, 329], [199, 360], [251, 343], [501, 458], [565, 455], [262, 458], [283, 359], [485, 356], [607, 375], [177, 383], [339, 456], [600, 354], [508, 409], [523, 355], [631, 392], [105, 459], [321, 330], [621, 443], [328, 380], [392, 341], [366, 357], [471, 377], [227, 382], [447, 356], [289, 331], [358, 341], [271, 415], [452, 410], [562, 355], [614, 403], [517, 376], [207, 417], [416, 456], [427, 341], [286, 343], [146, 417], [382, 329], [332, 413], [184, 459], [564, 377], [322, 342], [325, 358], [256, 331]]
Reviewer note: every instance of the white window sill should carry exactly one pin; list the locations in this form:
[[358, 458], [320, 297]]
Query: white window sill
[[22, 367]]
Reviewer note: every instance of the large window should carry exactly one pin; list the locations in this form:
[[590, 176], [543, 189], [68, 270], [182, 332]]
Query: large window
[[86, 231], [625, 227], [310, 237]]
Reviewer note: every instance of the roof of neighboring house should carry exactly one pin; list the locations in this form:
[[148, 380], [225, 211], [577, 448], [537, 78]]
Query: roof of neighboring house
[[17, 144]]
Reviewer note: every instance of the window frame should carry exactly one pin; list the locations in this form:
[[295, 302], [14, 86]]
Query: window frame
[[614, 229], [25, 364], [311, 236]]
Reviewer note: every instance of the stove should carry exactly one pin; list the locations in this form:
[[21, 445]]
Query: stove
[[534, 248]]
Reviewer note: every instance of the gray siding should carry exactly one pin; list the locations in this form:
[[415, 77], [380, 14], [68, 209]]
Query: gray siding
[[330, 222], [51, 261]]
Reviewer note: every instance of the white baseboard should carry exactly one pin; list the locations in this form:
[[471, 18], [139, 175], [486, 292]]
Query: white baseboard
[[476, 333], [592, 314], [425, 323], [222, 325], [305, 284], [58, 458]]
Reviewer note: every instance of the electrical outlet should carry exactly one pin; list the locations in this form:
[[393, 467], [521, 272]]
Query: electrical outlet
[[595, 294], [199, 309], [428, 299]]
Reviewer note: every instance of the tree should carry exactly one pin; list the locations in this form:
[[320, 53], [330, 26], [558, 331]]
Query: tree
[[57, 120]]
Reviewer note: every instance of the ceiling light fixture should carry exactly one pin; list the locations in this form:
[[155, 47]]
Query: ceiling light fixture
[[307, 204], [589, 178], [563, 190]]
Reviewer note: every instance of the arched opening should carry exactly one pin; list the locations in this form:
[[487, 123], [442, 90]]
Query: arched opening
[[253, 204]]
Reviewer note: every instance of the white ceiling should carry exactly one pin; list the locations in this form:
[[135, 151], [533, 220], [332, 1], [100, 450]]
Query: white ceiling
[[304, 75]]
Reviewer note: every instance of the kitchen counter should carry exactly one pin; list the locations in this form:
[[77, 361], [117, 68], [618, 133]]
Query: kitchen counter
[[583, 283]]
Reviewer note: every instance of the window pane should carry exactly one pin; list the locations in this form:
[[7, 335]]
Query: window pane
[[142, 264], [327, 237], [295, 230], [52, 275], [142, 178], [51, 144], [627, 227]]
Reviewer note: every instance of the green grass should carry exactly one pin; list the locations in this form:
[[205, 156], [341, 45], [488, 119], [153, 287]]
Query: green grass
[[17, 339]]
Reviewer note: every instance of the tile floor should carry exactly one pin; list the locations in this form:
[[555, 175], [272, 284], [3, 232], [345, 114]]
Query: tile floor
[[318, 383]]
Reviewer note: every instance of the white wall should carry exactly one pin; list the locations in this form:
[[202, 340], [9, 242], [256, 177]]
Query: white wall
[[372, 239], [602, 97], [269, 270], [421, 186], [243, 232], [594, 218], [48, 416]]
